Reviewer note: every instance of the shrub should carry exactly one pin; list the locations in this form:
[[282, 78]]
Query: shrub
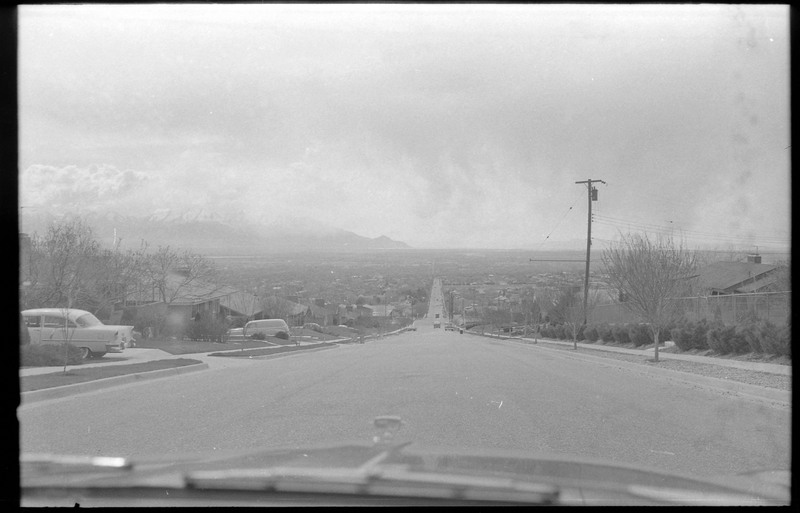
[[664, 333], [774, 340], [605, 333], [569, 329], [699, 335], [591, 333], [682, 335], [582, 332], [719, 337], [560, 332], [737, 341], [640, 334], [282, 335], [751, 335], [620, 333], [207, 328], [784, 342], [47, 355]]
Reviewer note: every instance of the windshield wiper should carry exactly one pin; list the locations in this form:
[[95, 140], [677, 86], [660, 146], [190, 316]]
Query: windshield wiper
[[66, 463], [386, 480]]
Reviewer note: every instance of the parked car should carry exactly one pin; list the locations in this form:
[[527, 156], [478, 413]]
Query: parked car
[[449, 327], [269, 327], [313, 326], [437, 324], [78, 327], [235, 333]]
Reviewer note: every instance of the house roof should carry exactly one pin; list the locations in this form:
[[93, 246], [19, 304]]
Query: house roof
[[318, 311], [380, 310], [735, 276], [242, 303], [286, 305]]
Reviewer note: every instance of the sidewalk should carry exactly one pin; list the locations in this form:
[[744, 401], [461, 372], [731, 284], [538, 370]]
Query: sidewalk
[[771, 368], [134, 355]]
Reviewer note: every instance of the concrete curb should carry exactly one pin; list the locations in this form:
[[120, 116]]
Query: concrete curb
[[97, 384], [291, 353], [238, 353], [772, 395]]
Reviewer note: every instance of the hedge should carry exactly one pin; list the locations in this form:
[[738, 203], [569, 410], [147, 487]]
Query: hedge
[[48, 355], [620, 333], [640, 334], [605, 333]]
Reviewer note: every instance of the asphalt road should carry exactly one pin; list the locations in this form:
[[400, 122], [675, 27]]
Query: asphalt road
[[452, 390]]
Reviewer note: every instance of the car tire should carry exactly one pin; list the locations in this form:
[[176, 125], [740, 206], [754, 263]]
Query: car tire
[[85, 353]]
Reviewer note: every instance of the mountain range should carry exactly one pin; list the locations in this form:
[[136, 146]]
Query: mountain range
[[206, 232]]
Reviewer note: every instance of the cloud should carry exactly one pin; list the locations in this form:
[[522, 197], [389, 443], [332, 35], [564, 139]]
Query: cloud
[[426, 126], [71, 186]]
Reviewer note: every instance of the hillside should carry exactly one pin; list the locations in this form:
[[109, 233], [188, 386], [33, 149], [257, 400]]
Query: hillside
[[205, 233]]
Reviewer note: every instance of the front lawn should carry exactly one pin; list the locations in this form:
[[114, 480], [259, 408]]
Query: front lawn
[[82, 375]]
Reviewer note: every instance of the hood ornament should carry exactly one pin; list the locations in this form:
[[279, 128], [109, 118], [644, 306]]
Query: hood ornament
[[386, 426]]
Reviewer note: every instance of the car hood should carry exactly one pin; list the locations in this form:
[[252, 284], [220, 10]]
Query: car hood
[[361, 468]]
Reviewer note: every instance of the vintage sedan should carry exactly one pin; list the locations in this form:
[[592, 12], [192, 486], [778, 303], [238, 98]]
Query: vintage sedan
[[78, 327]]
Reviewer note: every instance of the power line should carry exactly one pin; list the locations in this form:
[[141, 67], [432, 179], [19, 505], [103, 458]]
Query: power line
[[560, 221], [692, 234], [699, 250], [683, 230]]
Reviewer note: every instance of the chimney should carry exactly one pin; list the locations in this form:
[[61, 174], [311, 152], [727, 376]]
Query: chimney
[[753, 259]]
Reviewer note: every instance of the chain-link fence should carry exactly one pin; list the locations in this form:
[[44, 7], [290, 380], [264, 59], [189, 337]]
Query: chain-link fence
[[729, 309]]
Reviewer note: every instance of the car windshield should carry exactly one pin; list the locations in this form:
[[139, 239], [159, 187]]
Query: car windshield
[[522, 229], [87, 320]]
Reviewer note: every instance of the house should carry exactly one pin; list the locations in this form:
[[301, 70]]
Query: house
[[295, 314], [322, 314], [298, 314], [182, 300], [737, 277]]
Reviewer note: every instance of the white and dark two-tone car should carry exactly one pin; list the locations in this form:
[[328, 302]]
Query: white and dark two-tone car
[[78, 327]]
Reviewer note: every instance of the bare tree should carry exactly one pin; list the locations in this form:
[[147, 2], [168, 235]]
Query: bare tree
[[275, 307], [175, 274], [117, 277], [574, 314], [181, 275], [60, 265], [648, 273]]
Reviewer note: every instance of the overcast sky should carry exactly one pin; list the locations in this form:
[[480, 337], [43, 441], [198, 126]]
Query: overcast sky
[[441, 126]]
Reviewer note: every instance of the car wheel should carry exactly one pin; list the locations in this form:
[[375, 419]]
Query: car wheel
[[85, 353]]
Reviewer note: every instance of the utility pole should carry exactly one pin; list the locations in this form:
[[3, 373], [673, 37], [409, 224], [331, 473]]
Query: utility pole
[[592, 197]]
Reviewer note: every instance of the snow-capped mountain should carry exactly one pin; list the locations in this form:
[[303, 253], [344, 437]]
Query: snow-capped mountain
[[207, 232]]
